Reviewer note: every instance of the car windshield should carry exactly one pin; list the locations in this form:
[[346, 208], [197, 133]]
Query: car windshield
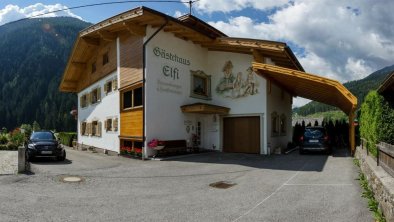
[[42, 136], [314, 132]]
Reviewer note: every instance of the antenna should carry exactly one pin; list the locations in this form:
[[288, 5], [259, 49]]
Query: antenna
[[191, 5]]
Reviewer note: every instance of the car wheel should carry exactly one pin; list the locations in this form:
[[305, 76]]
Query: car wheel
[[62, 157]]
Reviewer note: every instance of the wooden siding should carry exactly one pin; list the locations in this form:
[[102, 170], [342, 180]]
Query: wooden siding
[[130, 60], [89, 78], [131, 123]]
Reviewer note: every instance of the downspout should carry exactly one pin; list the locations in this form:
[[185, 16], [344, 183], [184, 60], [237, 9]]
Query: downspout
[[143, 83]]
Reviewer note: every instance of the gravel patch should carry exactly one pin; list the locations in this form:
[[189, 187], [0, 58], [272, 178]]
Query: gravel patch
[[8, 162]]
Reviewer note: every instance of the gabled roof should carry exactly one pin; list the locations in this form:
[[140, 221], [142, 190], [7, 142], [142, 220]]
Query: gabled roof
[[185, 27], [388, 85]]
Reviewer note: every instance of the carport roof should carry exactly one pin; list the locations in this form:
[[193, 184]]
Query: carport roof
[[309, 86]]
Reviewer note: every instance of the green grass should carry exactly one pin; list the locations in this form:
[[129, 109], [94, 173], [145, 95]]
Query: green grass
[[373, 204]]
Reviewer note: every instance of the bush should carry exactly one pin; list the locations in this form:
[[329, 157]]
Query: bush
[[376, 121], [17, 137], [8, 146], [3, 139], [66, 138]]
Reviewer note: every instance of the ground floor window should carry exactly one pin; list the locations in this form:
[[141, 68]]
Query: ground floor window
[[131, 147]]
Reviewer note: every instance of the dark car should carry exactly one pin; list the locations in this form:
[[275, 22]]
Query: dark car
[[315, 139], [44, 144]]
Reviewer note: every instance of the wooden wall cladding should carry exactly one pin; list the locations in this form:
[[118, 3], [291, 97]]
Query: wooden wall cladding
[[88, 78], [131, 123], [131, 62]]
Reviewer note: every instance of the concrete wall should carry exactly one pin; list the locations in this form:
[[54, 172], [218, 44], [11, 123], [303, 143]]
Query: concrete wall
[[380, 181], [166, 94]]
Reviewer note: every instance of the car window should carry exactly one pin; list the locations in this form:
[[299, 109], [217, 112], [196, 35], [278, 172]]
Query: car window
[[314, 132], [42, 136]]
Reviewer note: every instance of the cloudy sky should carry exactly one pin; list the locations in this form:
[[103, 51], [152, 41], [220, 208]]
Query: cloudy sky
[[340, 39]]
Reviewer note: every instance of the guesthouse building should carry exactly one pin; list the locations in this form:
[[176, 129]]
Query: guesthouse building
[[143, 75]]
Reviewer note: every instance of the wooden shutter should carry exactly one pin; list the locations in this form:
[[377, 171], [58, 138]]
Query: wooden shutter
[[90, 129], [106, 125], [88, 99], [115, 84], [98, 129], [80, 128], [115, 124], [80, 101], [106, 88], [98, 94]]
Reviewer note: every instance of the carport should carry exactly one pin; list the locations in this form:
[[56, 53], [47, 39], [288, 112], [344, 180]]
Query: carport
[[312, 87]]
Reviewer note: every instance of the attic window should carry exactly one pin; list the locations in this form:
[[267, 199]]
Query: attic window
[[93, 67], [105, 58]]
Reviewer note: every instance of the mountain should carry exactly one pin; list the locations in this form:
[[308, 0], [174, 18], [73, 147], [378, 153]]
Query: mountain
[[34, 54], [359, 88]]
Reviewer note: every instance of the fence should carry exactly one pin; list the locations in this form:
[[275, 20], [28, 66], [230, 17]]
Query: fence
[[384, 157]]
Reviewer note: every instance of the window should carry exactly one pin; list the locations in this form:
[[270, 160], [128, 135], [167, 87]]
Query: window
[[283, 124], [137, 97], [83, 128], [95, 95], [105, 58], [93, 67], [200, 85], [84, 101], [96, 128], [132, 98], [110, 86], [127, 99], [274, 124], [111, 124]]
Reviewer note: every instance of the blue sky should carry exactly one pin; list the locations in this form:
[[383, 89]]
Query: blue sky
[[339, 39]]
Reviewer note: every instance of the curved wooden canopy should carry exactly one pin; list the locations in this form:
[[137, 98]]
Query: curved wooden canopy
[[309, 86]]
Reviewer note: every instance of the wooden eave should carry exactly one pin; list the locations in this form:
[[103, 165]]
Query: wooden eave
[[388, 85], [191, 28], [309, 86], [204, 108]]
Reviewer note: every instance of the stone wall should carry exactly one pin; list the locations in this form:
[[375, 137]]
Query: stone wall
[[380, 181]]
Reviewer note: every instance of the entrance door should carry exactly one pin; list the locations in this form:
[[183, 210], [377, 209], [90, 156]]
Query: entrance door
[[241, 134]]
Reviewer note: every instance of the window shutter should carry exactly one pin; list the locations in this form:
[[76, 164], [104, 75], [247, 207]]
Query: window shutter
[[89, 129], [115, 124], [81, 128], [106, 88], [115, 84], [80, 101], [88, 99], [98, 94], [98, 130], [106, 125]]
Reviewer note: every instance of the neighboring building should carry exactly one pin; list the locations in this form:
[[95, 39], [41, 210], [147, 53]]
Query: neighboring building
[[143, 74], [386, 89]]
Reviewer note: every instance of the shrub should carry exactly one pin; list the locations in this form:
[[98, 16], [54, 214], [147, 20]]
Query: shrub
[[17, 137], [12, 146], [371, 114], [66, 138], [386, 129], [3, 139]]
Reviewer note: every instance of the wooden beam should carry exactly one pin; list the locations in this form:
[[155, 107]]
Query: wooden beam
[[107, 36], [91, 41], [135, 29], [257, 57]]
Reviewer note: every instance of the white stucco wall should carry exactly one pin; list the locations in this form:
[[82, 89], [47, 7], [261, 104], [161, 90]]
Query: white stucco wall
[[281, 105], [107, 108], [165, 94]]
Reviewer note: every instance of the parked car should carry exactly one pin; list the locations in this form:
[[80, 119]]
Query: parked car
[[44, 144], [315, 139]]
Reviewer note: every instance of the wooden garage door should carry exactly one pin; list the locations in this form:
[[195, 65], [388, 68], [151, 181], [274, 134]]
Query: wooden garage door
[[241, 134]]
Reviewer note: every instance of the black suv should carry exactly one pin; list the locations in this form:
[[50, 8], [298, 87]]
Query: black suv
[[315, 139], [44, 144]]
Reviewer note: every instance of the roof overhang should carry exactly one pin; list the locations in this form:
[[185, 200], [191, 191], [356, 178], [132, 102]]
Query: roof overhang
[[387, 87], [187, 28], [309, 86], [204, 108]]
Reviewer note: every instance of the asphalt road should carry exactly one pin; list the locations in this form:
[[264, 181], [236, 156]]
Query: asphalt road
[[275, 188]]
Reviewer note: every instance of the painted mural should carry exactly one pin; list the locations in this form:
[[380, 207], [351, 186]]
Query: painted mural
[[236, 86]]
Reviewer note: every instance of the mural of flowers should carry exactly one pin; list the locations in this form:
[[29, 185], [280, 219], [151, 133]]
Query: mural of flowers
[[233, 87]]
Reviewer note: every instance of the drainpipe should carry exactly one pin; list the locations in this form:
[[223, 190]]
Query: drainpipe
[[143, 83]]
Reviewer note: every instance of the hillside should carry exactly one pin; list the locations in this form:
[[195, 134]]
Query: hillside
[[34, 54], [359, 88]]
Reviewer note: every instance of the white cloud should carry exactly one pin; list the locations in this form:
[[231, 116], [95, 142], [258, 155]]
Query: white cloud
[[13, 12], [178, 14], [344, 40], [236, 5], [299, 101]]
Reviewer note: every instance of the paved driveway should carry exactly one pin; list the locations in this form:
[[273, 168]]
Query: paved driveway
[[275, 188]]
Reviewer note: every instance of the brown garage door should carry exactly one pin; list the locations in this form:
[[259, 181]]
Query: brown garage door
[[241, 134]]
